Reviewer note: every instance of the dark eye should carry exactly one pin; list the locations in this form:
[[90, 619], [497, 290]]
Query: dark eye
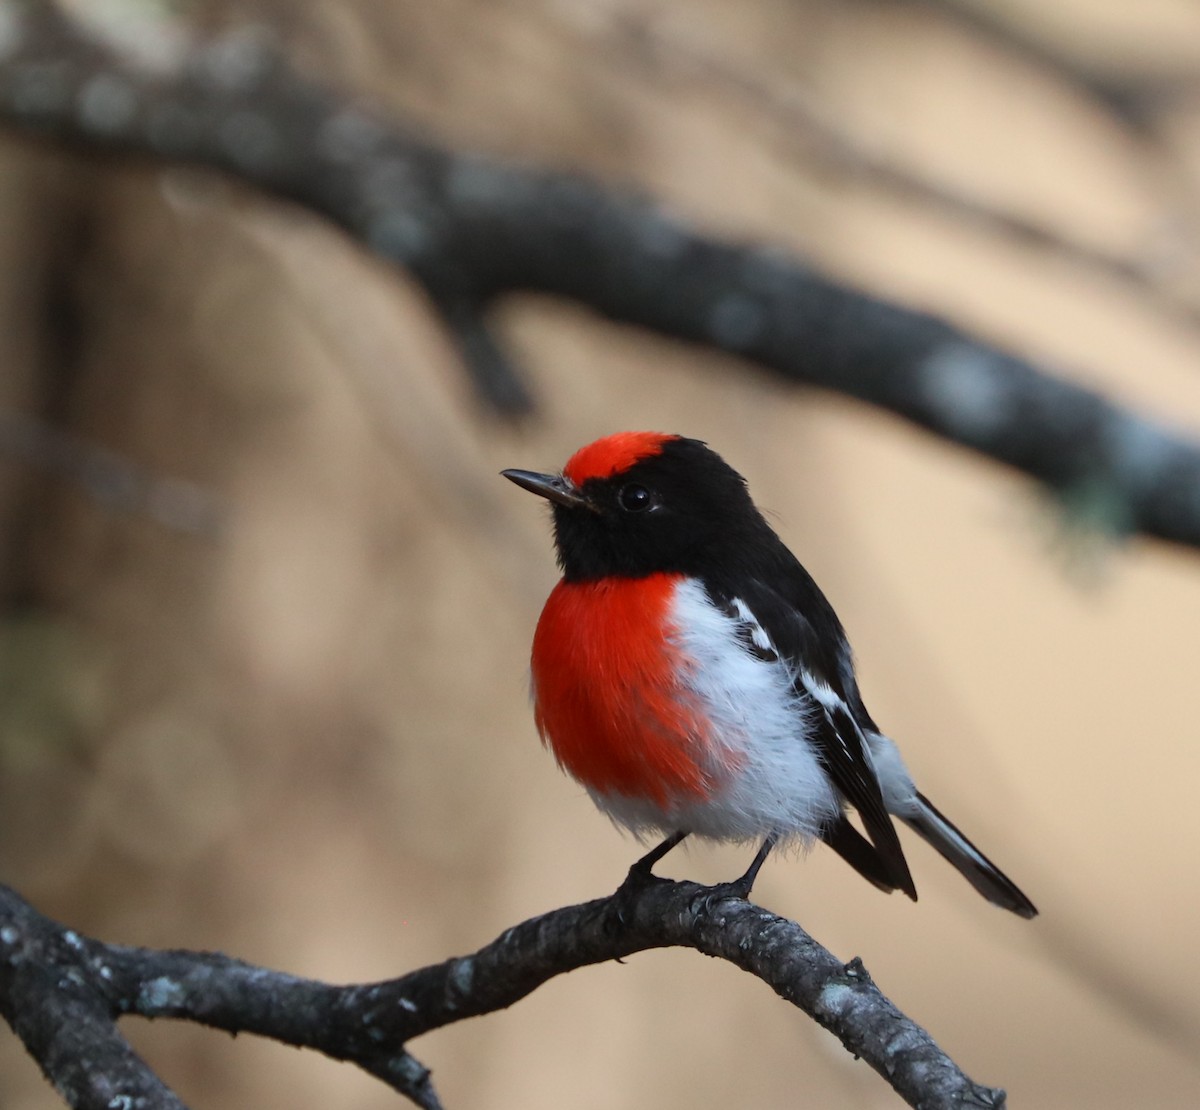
[[634, 498]]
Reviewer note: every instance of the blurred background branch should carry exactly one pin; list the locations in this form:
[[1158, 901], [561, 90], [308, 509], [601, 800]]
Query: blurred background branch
[[114, 483], [472, 229]]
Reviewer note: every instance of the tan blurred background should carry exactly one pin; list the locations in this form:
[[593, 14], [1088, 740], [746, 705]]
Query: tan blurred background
[[305, 740]]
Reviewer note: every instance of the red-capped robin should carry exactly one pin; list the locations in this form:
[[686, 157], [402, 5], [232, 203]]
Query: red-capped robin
[[689, 672]]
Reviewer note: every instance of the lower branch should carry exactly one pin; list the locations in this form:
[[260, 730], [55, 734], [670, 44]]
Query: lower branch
[[56, 986]]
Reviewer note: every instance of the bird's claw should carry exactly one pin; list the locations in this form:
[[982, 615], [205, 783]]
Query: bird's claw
[[709, 897]]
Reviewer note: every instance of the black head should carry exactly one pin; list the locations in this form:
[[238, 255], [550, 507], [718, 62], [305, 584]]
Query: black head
[[638, 503]]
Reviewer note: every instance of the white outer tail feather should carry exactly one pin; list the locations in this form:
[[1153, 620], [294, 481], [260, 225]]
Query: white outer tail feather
[[905, 801]]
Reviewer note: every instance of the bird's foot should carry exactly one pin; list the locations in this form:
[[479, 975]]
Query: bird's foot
[[641, 875], [709, 897], [642, 872], [739, 890]]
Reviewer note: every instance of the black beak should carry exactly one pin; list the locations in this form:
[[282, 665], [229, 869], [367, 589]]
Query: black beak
[[553, 487]]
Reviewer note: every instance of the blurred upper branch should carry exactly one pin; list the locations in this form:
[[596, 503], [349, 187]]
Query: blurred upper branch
[[471, 229]]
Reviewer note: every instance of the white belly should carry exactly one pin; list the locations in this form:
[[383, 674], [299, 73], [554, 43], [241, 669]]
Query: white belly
[[774, 783]]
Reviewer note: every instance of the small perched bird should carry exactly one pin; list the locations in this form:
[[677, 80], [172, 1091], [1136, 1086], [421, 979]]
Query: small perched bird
[[689, 672]]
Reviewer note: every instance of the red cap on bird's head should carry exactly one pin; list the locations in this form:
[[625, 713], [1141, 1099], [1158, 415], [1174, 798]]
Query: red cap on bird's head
[[614, 454]]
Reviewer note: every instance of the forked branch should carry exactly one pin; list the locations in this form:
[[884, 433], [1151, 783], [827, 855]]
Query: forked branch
[[62, 993]]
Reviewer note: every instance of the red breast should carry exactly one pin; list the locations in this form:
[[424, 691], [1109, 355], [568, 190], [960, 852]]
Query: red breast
[[607, 698]]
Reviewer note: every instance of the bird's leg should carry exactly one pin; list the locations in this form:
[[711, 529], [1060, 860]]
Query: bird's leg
[[641, 875], [746, 882], [740, 888], [643, 868]]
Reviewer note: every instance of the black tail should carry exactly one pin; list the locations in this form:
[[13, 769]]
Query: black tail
[[976, 868], [863, 856]]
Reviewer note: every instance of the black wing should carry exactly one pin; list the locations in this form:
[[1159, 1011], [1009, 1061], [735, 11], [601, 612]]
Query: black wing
[[814, 648]]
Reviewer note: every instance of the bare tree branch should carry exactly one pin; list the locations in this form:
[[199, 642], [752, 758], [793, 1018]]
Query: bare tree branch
[[62, 993], [50, 996], [471, 229]]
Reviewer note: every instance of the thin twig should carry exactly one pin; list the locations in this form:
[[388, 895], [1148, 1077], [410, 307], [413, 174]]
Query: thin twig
[[1132, 98], [112, 481], [828, 147]]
